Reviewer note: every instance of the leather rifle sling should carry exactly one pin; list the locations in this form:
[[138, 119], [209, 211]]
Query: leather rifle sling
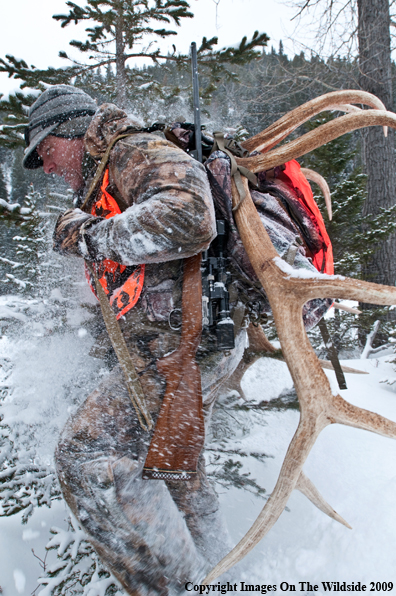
[[179, 433]]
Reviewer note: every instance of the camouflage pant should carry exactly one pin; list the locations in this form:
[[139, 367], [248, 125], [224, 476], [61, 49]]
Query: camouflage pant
[[154, 536]]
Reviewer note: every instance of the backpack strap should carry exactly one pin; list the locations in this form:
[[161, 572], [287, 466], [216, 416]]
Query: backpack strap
[[103, 163], [232, 148], [133, 384], [132, 381]]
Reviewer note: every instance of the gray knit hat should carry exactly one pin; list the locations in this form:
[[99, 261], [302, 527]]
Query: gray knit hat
[[62, 111]]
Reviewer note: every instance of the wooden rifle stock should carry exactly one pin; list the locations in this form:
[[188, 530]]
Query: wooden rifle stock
[[179, 433]]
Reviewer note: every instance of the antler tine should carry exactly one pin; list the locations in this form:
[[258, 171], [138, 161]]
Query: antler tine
[[318, 137], [336, 100], [324, 187], [335, 286], [309, 490], [258, 341], [296, 455], [274, 139], [287, 291], [354, 311], [349, 109], [350, 415]]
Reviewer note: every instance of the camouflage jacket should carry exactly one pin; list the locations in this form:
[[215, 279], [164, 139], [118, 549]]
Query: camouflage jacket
[[167, 209], [168, 215]]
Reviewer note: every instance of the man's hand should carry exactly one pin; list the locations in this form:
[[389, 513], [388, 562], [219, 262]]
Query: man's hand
[[68, 239]]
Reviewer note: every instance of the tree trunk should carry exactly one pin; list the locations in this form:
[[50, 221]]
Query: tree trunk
[[121, 80], [378, 151]]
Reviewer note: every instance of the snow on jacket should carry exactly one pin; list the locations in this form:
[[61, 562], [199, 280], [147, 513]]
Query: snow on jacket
[[165, 197]]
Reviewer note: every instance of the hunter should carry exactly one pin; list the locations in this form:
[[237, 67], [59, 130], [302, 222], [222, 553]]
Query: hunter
[[151, 209], [143, 210]]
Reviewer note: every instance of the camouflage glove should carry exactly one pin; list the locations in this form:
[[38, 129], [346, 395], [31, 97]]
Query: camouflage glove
[[68, 234]]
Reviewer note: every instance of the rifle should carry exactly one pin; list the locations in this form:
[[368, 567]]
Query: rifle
[[197, 112], [179, 432], [215, 296]]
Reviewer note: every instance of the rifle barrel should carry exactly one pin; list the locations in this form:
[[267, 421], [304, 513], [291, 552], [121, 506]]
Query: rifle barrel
[[197, 112]]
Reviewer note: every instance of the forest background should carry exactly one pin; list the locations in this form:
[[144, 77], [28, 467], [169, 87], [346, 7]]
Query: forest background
[[244, 88]]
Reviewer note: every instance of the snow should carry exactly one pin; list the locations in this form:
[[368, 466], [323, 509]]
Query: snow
[[9, 206], [266, 383], [6, 312], [50, 374], [16, 558], [30, 534], [303, 273], [20, 581], [353, 469], [56, 294]]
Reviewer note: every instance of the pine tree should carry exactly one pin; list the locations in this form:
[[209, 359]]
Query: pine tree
[[13, 111], [127, 24], [123, 24], [30, 244], [78, 569], [24, 484], [3, 185], [21, 180], [275, 84]]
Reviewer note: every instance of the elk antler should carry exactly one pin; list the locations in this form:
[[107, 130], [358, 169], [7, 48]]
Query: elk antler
[[336, 100], [354, 311], [324, 187], [316, 138], [259, 344], [288, 290]]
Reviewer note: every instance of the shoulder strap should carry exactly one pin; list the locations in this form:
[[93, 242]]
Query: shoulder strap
[[232, 148], [132, 381], [129, 132], [103, 164], [113, 328]]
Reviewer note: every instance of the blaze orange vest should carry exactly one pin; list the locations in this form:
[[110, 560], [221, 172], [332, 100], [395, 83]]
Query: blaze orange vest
[[295, 179], [123, 284]]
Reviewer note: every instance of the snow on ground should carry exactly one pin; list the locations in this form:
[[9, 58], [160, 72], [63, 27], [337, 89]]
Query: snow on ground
[[45, 372], [19, 568], [354, 470]]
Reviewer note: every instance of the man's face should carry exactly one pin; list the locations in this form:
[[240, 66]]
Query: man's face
[[63, 157]]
